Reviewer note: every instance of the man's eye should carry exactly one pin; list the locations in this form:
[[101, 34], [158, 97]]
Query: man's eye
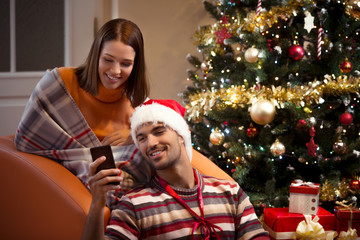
[[159, 132], [141, 139]]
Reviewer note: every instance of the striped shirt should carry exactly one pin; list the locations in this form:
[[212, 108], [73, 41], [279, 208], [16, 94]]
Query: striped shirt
[[151, 213]]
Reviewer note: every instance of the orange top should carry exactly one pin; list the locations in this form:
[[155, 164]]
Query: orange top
[[105, 113]]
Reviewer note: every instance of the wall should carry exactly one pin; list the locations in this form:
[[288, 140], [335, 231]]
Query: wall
[[167, 26], [16, 87]]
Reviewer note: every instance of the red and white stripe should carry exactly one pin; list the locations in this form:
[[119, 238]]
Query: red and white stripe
[[319, 40], [258, 8]]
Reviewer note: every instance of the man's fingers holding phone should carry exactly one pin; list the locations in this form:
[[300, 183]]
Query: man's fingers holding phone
[[98, 154], [104, 176], [94, 165]]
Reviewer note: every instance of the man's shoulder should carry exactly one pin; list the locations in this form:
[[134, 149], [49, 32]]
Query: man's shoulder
[[219, 181], [214, 184]]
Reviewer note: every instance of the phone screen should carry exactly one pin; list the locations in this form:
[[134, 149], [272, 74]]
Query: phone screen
[[106, 151]]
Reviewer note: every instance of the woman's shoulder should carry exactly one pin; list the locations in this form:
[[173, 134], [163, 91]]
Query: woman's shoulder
[[66, 72], [69, 78]]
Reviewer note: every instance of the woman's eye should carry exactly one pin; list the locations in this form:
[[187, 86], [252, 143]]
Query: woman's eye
[[108, 60], [127, 64]]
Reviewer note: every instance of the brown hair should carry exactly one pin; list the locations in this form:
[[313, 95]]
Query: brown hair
[[137, 87]]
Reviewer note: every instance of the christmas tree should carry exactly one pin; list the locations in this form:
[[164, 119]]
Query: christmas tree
[[273, 95]]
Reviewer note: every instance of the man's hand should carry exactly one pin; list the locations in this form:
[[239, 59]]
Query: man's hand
[[98, 182], [118, 138], [94, 227]]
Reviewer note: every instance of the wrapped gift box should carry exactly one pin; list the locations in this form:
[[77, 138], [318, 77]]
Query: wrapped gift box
[[304, 198], [347, 217], [282, 225]]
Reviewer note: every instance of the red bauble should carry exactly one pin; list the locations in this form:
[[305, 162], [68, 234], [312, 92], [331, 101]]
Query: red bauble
[[345, 66], [296, 52], [354, 185], [301, 125], [346, 118], [252, 131]]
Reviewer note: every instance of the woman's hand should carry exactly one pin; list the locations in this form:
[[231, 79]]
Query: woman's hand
[[98, 182], [118, 138]]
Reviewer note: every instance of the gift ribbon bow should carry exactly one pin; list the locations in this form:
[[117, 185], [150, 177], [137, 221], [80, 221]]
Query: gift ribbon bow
[[349, 207], [349, 235], [298, 182], [310, 229]]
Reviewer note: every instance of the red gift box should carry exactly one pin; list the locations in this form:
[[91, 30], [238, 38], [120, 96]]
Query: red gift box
[[304, 197], [347, 217], [282, 225]]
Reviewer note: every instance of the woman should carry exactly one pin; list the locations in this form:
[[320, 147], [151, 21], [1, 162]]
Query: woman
[[74, 109]]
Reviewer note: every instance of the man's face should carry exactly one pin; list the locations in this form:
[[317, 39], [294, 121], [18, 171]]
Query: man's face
[[160, 145]]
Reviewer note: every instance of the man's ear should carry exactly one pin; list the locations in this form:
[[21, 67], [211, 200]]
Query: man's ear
[[181, 139]]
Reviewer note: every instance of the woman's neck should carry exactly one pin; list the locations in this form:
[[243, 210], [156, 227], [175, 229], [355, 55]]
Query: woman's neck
[[110, 95]]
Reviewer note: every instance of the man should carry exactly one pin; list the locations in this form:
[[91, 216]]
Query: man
[[179, 202]]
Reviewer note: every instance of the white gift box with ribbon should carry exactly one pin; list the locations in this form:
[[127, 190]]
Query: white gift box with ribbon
[[304, 197]]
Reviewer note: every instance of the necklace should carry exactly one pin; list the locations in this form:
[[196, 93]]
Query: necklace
[[206, 227]]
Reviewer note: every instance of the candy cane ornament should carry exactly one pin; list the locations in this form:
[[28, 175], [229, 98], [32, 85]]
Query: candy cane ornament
[[258, 8], [319, 40]]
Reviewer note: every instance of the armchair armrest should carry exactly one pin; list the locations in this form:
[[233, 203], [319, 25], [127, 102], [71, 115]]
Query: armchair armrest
[[40, 199], [207, 167]]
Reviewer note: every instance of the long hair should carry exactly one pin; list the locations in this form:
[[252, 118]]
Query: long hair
[[137, 87]]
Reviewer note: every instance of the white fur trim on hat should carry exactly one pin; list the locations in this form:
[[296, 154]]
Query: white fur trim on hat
[[156, 112]]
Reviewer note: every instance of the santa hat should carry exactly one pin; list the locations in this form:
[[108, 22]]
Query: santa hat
[[169, 112]]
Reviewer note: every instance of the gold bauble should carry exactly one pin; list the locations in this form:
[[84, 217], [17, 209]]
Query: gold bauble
[[307, 110], [262, 112], [352, 8], [217, 137], [277, 148], [251, 55], [205, 66], [339, 147]]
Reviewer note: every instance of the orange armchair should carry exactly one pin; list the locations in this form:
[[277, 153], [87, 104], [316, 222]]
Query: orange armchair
[[40, 199]]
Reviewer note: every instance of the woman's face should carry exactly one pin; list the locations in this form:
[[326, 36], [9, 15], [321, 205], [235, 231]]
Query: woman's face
[[115, 63]]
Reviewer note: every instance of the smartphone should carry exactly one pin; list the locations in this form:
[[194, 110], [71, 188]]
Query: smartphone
[[97, 152]]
